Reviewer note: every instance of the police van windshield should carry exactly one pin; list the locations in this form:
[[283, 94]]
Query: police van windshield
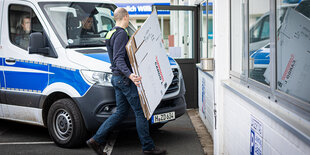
[[80, 24]]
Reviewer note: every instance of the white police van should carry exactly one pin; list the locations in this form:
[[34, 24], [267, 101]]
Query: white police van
[[54, 76]]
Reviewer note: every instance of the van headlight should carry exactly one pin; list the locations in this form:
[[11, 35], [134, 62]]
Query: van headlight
[[100, 78]]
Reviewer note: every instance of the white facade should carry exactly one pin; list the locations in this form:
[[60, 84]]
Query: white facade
[[277, 123], [284, 130], [206, 100]]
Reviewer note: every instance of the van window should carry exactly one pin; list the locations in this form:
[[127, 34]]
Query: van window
[[22, 22], [255, 33], [260, 31], [265, 29], [106, 23], [79, 24]]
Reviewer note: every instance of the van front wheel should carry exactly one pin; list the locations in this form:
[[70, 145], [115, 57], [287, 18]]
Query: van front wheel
[[65, 124]]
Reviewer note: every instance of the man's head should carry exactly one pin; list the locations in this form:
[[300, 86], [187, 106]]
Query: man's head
[[87, 22], [26, 24], [121, 17]]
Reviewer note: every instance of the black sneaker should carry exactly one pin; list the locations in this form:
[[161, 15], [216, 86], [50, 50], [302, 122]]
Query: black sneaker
[[95, 146], [155, 151]]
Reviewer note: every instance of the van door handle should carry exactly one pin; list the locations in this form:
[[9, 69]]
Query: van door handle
[[10, 60]]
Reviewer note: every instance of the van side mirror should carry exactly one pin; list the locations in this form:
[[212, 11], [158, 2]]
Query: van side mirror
[[37, 44]]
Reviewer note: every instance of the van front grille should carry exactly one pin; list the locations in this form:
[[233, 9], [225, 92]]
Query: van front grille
[[174, 86]]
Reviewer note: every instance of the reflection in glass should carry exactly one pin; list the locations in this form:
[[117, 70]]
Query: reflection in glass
[[203, 30], [210, 29], [259, 49], [206, 38], [293, 49], [237, 35]]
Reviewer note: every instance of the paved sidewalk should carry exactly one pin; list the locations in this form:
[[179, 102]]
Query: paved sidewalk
[[203, 135], [178, 137]]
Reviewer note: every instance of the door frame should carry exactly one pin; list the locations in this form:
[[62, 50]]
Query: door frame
[[196, 31], [195, 47]]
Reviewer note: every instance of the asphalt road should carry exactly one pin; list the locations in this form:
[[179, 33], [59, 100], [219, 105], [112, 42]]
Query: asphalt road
[[178, 137]]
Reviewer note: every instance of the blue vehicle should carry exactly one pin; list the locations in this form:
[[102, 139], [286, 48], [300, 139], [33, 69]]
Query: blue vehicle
[[259, 61], [60, 78]]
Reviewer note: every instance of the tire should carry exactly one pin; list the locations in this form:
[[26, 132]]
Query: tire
[[65, 124]]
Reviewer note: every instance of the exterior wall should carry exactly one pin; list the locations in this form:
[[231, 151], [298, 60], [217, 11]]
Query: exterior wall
[[277, 138], [221, 40], [283, 130], [206, 100]]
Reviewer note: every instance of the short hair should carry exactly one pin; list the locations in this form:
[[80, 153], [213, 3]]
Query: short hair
[[85, 16], [21, 20], [120, 13]]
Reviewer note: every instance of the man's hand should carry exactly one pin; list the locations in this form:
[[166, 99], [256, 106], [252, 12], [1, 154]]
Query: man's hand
[[135, 79]]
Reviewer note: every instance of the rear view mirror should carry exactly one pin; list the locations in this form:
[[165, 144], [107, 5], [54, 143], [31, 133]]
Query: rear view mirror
[[37, 44]]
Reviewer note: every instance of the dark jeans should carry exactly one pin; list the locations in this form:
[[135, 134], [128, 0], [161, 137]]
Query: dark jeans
[[126, 96]]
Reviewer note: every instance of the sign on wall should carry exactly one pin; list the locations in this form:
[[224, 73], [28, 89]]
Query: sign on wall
[[203, 97], [256, 137], [142, 8]]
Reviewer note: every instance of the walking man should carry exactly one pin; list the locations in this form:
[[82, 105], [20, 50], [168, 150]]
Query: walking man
[[125, 84]]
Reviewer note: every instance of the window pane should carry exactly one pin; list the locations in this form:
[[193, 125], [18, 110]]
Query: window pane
[[80, 24], [293, 54], [203, 30], [259, 50], [254, 32], [237, 34], [265, 29], [179, 44], [210, 29], [23, 22]]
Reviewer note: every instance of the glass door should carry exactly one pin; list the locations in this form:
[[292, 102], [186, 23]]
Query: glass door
[[180, 32]]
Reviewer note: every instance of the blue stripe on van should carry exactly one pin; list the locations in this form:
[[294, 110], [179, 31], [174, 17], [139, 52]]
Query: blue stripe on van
[[261, 57], [100, 56], [70, 77], [251, 52], [261, 62], [172, 62], [27, 80], [105, 57], [39, 81], [1, 74]]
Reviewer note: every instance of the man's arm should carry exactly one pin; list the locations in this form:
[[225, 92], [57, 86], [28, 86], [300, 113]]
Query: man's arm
[[119, 57], [119, 54]]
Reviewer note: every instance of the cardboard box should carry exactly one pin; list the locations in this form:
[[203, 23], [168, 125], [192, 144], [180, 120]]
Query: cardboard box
[[149, 60]]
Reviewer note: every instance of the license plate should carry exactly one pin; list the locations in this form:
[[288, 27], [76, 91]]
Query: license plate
[[159, 118]]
